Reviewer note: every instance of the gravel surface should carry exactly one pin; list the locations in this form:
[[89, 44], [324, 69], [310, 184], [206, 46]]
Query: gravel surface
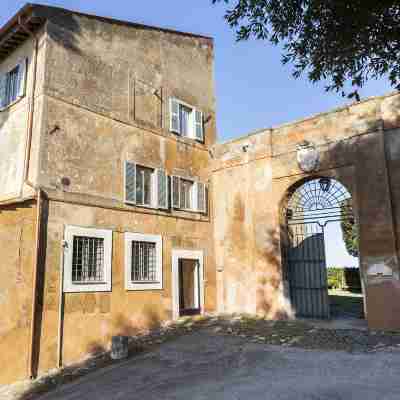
[[242, 329]]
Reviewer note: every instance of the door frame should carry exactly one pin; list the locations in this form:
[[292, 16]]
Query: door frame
[[178, 254]]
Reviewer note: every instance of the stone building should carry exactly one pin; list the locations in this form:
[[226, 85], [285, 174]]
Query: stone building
[[118, 210]]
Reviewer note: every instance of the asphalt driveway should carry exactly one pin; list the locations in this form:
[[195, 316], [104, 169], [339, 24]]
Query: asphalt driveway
[[203, 365]]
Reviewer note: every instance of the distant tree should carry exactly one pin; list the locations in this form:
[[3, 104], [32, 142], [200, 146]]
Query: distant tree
[[341, 41], [349, 228]]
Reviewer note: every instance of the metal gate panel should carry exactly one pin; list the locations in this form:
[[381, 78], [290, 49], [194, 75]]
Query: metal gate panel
[[307, 273]]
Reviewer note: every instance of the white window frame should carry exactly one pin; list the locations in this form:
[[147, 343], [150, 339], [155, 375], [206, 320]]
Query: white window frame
[[140, 237], [75, 287], [154, 187], [22, 66], [194, 194], [193, 123]]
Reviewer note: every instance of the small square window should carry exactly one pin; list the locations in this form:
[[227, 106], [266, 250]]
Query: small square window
[[87, 259], [143, 262]]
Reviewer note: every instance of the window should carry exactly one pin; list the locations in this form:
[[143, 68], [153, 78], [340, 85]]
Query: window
[[185, 120], [144, 186], [188, 194], [87, 259], [12, 85], [143, 262]]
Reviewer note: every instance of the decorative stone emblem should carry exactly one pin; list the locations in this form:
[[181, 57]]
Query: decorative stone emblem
[[307, 156]]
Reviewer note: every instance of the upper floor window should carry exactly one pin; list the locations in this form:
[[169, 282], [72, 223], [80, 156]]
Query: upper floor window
[[186, 120], [12, 85], [146, 186], [188, 194]]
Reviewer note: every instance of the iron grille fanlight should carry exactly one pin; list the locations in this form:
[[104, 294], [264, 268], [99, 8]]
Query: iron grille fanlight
[[325, 184]]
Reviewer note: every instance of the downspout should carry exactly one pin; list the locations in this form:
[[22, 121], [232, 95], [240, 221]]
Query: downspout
[[28, 147]]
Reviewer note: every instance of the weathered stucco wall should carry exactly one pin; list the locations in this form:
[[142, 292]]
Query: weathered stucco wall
[[17, 239], [90, 319], [14, 122], [112, 105], [351, 142]]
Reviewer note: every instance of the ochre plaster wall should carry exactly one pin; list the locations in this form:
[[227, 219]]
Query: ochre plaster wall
[[17, 246], [358, 146], [90, 319]]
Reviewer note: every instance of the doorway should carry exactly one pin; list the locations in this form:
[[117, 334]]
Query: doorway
[[187, 282], [312, 206]]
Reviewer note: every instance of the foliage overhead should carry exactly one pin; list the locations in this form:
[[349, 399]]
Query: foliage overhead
[[341, 41]]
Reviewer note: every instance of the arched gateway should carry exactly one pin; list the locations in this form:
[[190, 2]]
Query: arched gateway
[[309, 207]]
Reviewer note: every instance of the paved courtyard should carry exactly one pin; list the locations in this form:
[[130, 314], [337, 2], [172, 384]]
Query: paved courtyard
[[211, 364]]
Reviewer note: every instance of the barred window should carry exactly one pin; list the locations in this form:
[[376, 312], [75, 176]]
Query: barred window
[[12, 84], [88, 259], [143, 261]]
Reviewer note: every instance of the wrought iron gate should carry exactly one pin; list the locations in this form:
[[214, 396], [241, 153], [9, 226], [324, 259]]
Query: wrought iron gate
[[307, 270], [310, 208]]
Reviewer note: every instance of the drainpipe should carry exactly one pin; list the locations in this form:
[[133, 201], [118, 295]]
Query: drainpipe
[[28, 147]]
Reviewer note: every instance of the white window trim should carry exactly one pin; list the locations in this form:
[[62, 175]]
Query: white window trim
[[193, 124], [178, 254], [194, 194], [23, 63], [68, 285], [154, 187], [139, 237]]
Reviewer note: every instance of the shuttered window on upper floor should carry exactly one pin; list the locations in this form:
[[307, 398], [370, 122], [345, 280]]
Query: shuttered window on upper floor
[[185, 120], [152, 187], [13, 84], [146, 186]]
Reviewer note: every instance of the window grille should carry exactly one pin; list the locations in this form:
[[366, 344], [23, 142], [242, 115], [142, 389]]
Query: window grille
[[87, 260], [144, 262]]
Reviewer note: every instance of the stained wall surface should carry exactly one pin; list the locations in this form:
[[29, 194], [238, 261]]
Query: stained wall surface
[[358, 147], [112, 106], [14, 122], [17, 239]]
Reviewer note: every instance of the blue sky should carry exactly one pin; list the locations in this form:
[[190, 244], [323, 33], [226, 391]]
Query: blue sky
[[253, 89]]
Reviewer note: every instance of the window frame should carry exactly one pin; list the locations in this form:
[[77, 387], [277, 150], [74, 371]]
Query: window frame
[[193, 121], [155, 200], [194, 195], [21, 67], [136, 285], [75, 287]]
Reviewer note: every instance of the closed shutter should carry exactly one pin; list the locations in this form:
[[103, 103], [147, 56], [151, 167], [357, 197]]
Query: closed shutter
[[175, 191], [21, 78], [174, 116], [201, 197], [130, 182], [3, 90], [198, 125], [162, 189]]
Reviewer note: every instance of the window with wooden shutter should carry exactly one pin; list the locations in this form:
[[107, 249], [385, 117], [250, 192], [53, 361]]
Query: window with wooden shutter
[[199, 127], [130, 182], [174, 112], [162, 189], [175, 191], [3, 90], [186, 121], [201, 197], [22, 78]]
